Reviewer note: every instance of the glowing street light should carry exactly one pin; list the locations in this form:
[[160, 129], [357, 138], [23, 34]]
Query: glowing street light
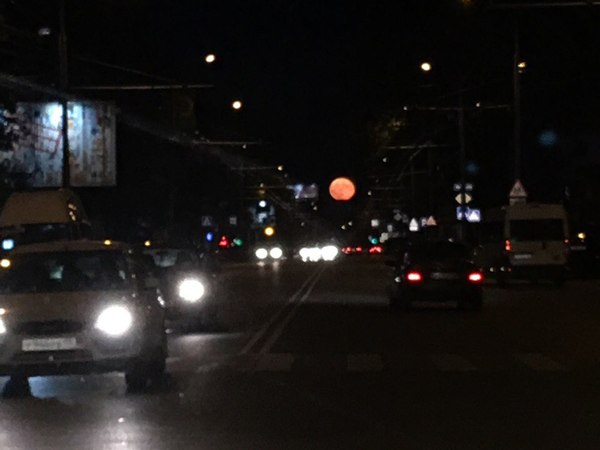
[[210, 58], [426, 66], [237, 105]]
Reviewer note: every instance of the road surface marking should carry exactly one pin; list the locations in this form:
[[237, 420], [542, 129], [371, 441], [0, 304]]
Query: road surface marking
[[450, 362], [364, 362], [260, 333], [538, 361], [275, 362], [279, 330]]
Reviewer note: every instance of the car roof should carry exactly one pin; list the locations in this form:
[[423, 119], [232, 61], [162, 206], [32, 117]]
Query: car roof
[[70, 246]]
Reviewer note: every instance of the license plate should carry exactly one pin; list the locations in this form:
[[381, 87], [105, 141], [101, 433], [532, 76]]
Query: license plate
[[523, 255], [49, 344], [444, 276]]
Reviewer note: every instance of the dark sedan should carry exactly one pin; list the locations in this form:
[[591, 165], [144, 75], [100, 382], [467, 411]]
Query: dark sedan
[[439, 271]]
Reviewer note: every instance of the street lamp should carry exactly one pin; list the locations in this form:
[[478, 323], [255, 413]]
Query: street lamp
[[237, 105], [426, 66], [210, 58]]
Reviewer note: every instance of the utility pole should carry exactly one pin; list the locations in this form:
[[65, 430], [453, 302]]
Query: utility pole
[[63, 85], [461, 161], [517, 103]]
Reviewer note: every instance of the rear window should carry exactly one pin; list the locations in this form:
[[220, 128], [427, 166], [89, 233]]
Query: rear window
[[65, 272], [439, 251], [537, 230]]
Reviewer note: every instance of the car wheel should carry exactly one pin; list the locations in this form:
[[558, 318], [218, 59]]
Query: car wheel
[[17, 387]]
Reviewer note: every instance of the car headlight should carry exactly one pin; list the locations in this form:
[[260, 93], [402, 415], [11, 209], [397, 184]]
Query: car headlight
[[276, 253], [2, 327], [329, 252], [191, 290], [261, 253], [115, 320]]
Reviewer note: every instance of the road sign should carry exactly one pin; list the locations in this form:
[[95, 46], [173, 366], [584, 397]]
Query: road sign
[[233, 220], [431, 222], [517, 194], [458, 198], [473, 215], [468, 187], [206, 221], [414, 225]]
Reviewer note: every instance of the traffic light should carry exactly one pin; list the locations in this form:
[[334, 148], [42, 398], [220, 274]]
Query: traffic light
[[269, 231]]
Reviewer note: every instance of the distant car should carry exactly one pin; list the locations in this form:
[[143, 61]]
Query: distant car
[[75, 307], [436, 271], [187, 281]]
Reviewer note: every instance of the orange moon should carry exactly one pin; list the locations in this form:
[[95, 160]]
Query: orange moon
[[342, 189]]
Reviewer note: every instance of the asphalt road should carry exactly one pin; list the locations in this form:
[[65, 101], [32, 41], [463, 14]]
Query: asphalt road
[[309, 356]]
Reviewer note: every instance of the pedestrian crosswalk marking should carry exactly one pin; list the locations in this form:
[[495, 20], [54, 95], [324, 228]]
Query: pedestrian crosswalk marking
[[449, 362], [364, 362], [540, 362]]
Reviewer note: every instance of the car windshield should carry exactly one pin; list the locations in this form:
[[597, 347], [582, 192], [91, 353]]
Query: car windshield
[[64, 272], [166, 258]]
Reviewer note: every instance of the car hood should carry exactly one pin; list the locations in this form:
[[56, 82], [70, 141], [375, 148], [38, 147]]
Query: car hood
[[78, 306]]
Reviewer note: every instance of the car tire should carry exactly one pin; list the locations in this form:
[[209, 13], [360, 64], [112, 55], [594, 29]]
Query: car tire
[[16, 387]]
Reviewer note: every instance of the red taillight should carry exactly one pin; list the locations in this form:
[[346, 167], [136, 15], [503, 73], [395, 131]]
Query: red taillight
[[475, 277], [376, 250], [414, 277], [507, 246], [358, 249]]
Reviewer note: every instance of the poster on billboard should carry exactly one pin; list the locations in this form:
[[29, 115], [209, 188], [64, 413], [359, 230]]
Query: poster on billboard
[[31, 148]]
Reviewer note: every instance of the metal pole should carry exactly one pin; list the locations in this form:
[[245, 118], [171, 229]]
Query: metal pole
[[63, 85], [517, 104], [461, 159]]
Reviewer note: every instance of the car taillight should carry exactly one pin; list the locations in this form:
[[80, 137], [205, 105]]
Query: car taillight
[[475, 277], [414, 277], [376, 250], [507, 246], [358, 249]]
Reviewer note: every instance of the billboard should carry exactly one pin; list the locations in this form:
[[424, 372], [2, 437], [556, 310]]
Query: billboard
[[31, 144]]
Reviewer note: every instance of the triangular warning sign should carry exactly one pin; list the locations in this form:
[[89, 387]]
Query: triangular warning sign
[[431, 222], [518, 191]]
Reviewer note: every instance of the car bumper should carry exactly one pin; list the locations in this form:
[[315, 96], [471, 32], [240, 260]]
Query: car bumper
[[441, 293], [91, 355]]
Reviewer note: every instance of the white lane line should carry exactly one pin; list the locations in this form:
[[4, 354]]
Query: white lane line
[[364, 362], [450, 362], [279, 330], [275, 362], [260, 333], [540, 362]]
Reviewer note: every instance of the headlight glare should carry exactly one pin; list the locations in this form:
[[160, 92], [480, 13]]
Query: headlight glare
[[329, 252], [114, 321], [2, 327], [276, 253], [191, 290], [261, 253]]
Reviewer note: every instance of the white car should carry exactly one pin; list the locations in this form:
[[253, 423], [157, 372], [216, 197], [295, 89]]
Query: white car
[[76, 307]]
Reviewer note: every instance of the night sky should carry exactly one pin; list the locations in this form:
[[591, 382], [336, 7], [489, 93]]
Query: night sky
[[315, 77]]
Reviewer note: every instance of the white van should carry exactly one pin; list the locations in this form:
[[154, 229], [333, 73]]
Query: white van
[[45, 215], [525, 240]]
